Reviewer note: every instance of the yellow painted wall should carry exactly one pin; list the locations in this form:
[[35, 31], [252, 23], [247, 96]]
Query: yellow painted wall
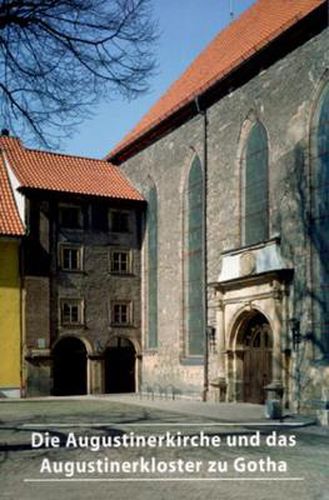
[[10, 323]]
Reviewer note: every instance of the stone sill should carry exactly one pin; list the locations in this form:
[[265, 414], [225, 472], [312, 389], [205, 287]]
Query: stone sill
[[38, 353], [192, 361]]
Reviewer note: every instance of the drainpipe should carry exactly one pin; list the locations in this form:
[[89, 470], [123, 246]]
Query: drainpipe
[[203, 113]]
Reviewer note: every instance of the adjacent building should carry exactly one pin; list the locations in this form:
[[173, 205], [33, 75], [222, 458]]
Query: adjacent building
[[80, 274], [11, 317]]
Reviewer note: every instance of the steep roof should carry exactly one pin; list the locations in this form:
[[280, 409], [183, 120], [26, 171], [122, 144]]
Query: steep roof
[[261, 24], [72, 174], [10, 222]]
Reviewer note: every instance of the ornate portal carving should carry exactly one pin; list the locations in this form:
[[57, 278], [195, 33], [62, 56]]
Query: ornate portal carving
[[247, 263]]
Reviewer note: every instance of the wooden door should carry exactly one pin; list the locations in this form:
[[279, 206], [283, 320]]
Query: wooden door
[[257, 362]]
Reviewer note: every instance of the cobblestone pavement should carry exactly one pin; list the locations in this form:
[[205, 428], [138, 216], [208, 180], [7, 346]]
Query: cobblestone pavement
[[198, 472]]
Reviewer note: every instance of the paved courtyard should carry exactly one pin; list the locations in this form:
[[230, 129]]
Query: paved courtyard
[[229, 453]]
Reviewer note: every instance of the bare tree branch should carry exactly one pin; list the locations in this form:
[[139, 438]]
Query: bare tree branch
[[58, 58]]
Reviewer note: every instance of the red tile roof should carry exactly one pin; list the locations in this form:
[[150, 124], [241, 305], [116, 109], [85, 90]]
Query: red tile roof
[[10, 222], [71, 174], [254, 29]]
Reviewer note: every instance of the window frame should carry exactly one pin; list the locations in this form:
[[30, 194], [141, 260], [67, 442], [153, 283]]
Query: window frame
[[129, 311], [120, 272], [71, 301], [72, 206], [151, 337], [319, 214], [71, 247], [244, 216], [116, 212], [193, 223]]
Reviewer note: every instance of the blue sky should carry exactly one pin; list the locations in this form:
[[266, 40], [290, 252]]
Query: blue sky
[[186, 27]]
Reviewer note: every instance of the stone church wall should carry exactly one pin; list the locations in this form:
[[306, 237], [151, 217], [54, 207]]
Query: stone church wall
[[282, 98]]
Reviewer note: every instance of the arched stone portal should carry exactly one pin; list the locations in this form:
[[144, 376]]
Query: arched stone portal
[[120, 361], [70, 367], [254, 357]]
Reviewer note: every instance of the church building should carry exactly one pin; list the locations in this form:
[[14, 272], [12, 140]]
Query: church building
[[234, 163]]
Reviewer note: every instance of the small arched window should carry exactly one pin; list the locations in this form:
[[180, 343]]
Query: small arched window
[[256, 186], [320, 222], [152, 267], [193, 260]]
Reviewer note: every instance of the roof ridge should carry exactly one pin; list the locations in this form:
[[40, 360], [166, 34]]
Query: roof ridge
[[66, 155], [52, 171], [18, 142]]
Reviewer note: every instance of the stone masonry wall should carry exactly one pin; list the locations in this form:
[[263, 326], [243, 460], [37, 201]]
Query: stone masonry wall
[[282, 97], [94, 284]]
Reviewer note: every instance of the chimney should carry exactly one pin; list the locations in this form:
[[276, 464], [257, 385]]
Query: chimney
[[5, 132]]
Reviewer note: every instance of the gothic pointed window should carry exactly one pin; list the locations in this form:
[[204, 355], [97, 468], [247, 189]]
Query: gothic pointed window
[[320, 222], [193, 261], [255, 224], [152, 273]]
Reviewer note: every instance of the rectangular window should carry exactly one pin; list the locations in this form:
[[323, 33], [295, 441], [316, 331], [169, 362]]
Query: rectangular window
[[70, 216], [119, 221], [121, 314], [120, 262], [71, 312], [71, 257]]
